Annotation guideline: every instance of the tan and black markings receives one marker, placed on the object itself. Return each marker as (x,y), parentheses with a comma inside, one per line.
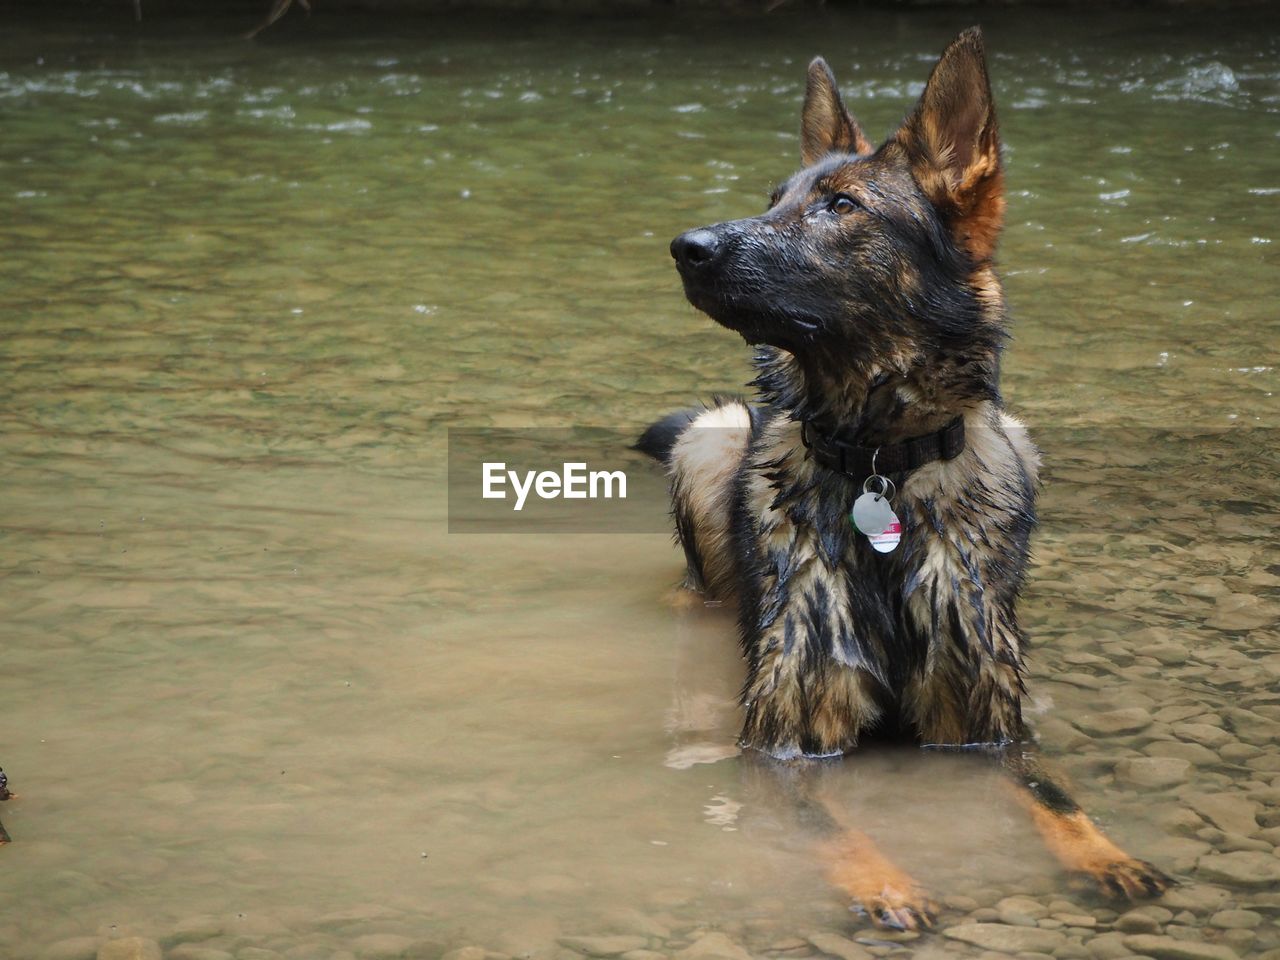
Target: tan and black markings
(4,795)
(868,290)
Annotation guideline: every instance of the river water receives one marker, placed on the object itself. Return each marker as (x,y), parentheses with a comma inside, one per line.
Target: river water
(259,702)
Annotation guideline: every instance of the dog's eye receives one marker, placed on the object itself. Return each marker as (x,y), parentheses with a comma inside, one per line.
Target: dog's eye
(843,203)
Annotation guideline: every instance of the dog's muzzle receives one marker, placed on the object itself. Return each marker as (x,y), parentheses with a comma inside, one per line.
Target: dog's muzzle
(696,249)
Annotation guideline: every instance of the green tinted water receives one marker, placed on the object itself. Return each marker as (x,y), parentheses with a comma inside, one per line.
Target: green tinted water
(253,690)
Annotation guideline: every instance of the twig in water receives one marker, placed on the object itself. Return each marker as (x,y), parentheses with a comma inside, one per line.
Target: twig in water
(278,10)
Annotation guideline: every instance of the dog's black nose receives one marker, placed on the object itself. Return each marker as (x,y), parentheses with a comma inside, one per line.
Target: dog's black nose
(695,247)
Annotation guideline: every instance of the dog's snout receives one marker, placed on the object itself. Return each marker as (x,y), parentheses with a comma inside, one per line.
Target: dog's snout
(695,248)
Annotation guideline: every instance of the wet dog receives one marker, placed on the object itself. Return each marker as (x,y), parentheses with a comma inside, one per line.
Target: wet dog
(868,289)
(4,795)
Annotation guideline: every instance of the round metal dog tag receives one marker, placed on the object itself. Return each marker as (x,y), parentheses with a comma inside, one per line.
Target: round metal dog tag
(889,538)
(872,514)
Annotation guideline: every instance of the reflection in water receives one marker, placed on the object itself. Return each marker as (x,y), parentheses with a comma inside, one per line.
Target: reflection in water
(257,697)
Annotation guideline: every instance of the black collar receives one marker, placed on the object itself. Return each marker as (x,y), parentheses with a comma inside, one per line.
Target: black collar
(899,458)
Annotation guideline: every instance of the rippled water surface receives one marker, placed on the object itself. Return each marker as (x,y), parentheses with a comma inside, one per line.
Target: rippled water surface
(258,699)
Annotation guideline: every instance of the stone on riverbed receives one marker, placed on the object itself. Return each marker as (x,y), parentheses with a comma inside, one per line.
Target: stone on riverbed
(631,920)
(1246,868)
(1115,722)
(76,948)
(1236,919)
(606,946)
(363,914)
(130,948)
(1086,921)
(838,946)
(1006,939)
(1168,653)
(1205,734)
(1167,948)
(194,951)
(381,946)
(1108,946)
(1153,771)
(195,929)
(1021,911)
(714,945)
(1239,752)
(1195,753)
(1196,897)
(1141,921)
(1229,811)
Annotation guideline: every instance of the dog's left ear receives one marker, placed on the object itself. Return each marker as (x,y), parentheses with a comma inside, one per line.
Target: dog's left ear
(825,125)
(953,145)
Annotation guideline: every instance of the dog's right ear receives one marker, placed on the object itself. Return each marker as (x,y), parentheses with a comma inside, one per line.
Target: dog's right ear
(952,142)
(825,125)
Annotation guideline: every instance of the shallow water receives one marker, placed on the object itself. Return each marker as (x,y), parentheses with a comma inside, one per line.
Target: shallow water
(258,697)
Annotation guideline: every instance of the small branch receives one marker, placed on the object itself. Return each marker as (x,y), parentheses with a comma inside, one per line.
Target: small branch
(278,9)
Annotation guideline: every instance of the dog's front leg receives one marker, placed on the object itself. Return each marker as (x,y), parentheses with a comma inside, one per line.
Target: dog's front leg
(810,693)
(854,864)
(851,860)
(1082,848)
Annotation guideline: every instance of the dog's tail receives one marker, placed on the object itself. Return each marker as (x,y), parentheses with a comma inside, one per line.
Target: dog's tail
(660,438)
(702,451)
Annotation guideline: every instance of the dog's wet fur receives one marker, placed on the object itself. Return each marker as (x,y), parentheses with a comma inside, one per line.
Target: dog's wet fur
(868,290)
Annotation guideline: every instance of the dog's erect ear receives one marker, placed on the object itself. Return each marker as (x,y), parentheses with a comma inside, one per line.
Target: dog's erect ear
(953,144)
(825,125)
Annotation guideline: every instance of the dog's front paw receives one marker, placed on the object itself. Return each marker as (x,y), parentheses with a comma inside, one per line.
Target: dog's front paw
(892,909)
(1126,879)
(888,895)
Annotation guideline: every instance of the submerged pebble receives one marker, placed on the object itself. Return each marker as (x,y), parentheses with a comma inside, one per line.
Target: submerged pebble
(1026,908)
(1236,919)
(1169,948)
(195,929)
(1196,897)
(714,945)
(130,948)
(1153,771)
(1203,733)
(1193,753)
(1108,946)
(1008,939)
(381,946)
(1246,868)
(1142,921)
(838,946)
(192,951)
(73,948)
(605,946)
(1231,812)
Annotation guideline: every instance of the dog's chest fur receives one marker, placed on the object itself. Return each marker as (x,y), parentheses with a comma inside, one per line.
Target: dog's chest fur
(842,641)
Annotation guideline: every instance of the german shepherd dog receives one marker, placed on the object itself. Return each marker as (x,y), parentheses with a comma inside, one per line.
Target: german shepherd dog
(868,289)
(4,795)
